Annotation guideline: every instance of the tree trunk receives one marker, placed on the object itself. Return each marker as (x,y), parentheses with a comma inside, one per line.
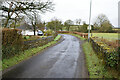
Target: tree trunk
(78,28)
(34,30)
(6,22)
(61,29)
(68,28)
(15,24)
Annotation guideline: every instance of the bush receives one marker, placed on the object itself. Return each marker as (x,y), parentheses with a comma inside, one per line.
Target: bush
(48,33)
(26,37)
(83,28)
(112,59)
(11,42)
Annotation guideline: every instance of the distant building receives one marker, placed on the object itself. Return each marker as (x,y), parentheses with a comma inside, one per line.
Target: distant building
(25,26)
(27,29)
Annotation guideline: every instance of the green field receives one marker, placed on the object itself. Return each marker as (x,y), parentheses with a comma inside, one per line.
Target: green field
(109,36)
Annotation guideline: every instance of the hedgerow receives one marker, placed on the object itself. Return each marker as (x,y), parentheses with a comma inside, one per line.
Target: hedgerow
(11,42)
(109,54)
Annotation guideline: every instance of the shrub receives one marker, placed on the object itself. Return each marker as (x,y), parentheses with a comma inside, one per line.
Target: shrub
(112,59)
(48,33)
(26,37)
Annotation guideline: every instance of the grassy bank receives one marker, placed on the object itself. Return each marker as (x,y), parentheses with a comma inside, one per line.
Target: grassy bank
(6,63)
(95,65)
(57,38)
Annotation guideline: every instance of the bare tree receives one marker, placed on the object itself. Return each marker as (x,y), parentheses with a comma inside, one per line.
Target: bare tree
(33,20)
(78,22)
(103,23)
(12,9)
(100,20)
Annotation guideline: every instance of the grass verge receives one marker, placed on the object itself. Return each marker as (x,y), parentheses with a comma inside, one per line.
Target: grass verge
(57,38)
(6,63)
(95,65)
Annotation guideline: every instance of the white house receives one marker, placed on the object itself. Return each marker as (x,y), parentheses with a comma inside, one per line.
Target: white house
(27,29)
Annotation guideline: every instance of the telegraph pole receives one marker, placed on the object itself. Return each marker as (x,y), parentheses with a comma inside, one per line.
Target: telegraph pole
(89,21)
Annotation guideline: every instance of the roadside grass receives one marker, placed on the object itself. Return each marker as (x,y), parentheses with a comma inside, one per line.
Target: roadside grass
(6,63)
(95,65)
(57,38)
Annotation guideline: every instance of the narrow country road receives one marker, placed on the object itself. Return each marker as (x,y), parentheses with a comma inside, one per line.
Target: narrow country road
(64,60)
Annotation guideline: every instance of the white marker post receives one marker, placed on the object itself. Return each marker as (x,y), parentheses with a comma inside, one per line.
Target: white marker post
(89,27)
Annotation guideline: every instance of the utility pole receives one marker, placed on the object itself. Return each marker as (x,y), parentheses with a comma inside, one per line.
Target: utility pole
(89,21)
(55,26)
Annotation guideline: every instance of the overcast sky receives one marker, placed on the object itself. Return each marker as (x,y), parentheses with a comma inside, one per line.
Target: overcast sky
(75,9)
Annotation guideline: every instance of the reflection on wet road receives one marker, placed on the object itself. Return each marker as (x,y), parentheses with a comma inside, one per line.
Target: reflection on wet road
(59,61)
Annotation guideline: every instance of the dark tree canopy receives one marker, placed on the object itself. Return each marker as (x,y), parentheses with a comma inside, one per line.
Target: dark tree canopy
(68,23)
(55,24)
(83,28)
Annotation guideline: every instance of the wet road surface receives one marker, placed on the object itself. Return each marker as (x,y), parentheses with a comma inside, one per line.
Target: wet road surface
(59,61)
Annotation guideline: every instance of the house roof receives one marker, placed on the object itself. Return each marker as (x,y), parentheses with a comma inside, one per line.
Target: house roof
(25,27)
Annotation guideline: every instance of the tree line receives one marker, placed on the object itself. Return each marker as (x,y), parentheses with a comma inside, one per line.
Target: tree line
(15,12)
(101,24)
